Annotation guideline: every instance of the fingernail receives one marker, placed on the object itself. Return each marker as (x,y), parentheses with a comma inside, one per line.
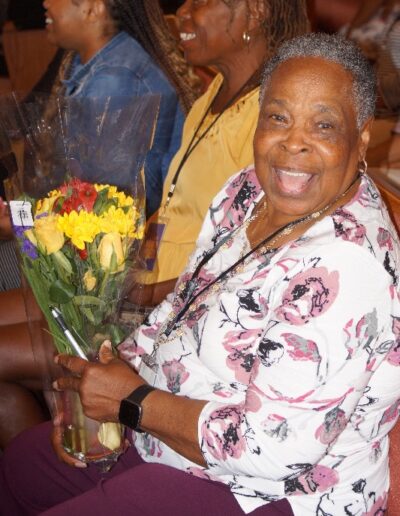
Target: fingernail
(55,385)
(56,359)
(80,465)
(57,420)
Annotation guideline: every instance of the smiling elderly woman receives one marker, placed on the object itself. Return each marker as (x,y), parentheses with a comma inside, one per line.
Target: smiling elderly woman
(276,376)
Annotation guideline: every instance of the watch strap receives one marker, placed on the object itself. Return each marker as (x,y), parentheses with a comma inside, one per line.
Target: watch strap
(136,397)
(139,394)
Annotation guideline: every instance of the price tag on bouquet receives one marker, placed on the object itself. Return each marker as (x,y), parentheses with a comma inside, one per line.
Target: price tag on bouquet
(21,213)
(154,235)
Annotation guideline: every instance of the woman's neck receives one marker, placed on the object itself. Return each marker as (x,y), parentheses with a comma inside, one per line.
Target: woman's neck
(231,89)
(94,45)
(240,75)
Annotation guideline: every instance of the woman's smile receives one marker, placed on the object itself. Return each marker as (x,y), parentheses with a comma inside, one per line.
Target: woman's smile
(292,181)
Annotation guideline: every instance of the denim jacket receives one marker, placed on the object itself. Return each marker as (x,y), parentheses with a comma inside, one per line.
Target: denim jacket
(123,68)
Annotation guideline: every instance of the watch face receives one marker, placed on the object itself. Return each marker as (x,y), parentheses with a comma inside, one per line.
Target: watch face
(129,414)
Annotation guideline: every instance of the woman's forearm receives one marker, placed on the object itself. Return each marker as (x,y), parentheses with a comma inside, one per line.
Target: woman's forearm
(174,420)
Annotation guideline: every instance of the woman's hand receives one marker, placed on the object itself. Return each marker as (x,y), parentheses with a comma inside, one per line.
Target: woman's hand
(56,441)
(5,222)
(101,385)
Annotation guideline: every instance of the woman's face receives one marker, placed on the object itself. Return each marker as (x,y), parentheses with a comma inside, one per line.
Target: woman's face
(65,22)
(211,31)
(307,145)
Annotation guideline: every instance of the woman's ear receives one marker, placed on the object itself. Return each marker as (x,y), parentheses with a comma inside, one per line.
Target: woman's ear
(98,9)
(365,135)
(257,13)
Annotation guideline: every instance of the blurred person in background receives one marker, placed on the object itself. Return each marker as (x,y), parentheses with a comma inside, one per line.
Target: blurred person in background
(376,29)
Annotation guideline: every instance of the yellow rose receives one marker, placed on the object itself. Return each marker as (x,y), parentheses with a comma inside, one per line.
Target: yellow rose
(109,435)
(111,244)
(89,280)
(48,235)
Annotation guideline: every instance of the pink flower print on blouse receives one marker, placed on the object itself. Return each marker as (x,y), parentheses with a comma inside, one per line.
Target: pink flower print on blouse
(269,352)
(276,426)
(248,301)
(394,354)
(176,374)
(376,452)
(391,414)
(240,193)
(317,479)
(240,360)
(194,316)
(361,335)
(334,423)
(302,349)
(384,239)
(129,350)
(347,227)
(222,434)
(309,294)
(151,446)
(239,345)
(220,390)
(379,507)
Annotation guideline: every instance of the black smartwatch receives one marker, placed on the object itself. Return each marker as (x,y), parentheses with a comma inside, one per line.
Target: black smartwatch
(130,410)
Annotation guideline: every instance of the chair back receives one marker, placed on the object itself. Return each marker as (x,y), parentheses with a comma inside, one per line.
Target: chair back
(391,195)
(27,54)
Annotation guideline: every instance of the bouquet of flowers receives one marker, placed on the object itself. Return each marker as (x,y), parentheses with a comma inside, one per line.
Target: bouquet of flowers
(77,245)
(79,220)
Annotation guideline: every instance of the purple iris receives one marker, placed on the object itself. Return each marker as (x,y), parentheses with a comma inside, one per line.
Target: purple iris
(26,245)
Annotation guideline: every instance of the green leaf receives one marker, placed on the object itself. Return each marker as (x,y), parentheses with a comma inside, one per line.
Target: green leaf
(117,334)
(89,300)
(61,260)
(61,292)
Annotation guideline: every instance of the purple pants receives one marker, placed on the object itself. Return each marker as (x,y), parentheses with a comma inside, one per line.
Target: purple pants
(33,481)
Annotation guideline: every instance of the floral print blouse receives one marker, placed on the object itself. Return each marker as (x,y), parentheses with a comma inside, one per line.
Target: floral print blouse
(297,352)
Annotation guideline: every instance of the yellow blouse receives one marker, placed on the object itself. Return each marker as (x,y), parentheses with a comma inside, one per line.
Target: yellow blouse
(226,148)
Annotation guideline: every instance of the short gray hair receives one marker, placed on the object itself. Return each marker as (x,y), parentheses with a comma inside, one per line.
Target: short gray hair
(338,50)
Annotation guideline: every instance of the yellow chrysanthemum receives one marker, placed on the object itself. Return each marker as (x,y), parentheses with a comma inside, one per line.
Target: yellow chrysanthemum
(115,219)
(123,200)
(80,227)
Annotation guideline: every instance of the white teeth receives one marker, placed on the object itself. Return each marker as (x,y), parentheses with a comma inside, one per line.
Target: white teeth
(294,174)
(49,21)
(187,36)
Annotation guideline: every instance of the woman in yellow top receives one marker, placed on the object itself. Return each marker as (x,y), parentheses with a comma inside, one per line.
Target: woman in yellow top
(235,38)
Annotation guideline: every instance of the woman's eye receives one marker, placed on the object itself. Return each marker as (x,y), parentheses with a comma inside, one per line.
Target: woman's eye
(277,118)
(325,125)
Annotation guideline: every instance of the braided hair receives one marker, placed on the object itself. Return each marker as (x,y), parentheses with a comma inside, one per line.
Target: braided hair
(144,21)
(285,20)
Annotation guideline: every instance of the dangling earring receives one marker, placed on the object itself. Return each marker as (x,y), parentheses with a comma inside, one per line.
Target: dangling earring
(363,167)
(246,38)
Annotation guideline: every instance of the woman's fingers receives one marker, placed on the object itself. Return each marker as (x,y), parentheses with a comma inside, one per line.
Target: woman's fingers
(70,383)
(56,441)
(105,353)
(74,364)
